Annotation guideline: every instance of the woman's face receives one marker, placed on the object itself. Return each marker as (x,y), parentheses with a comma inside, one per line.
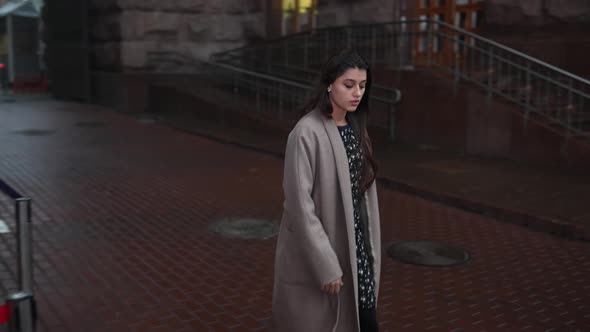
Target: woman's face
(347,90)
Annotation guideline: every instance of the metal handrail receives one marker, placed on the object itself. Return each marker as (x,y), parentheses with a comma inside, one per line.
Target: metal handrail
(280,98)
(529,81)
(296,84)
(257,74)
(510,50)
(529,58)
(409,22)
(9,191)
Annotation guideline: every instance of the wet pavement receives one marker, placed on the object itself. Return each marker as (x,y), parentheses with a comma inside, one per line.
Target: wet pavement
(122,211)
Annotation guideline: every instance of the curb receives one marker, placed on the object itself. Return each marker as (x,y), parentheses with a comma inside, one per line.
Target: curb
(552,226)
(548,225)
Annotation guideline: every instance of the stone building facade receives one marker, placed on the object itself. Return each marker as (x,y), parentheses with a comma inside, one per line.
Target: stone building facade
(174,35)
(171,35)
(554,31)
(536,13)
(343,12)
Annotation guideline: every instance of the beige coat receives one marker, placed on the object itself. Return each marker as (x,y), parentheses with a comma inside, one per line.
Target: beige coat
(316,241)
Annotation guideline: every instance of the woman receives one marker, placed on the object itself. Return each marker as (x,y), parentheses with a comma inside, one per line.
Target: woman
(328,251)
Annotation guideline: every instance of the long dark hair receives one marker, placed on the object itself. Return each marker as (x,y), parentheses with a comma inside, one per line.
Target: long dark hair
(334,68)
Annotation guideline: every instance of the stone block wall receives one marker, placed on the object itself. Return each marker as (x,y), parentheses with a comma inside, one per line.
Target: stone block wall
(171,35)
(536,13)
(554,31)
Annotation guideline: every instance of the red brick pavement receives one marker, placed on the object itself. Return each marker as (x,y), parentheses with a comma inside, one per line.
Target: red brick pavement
(121,213)
(543,197)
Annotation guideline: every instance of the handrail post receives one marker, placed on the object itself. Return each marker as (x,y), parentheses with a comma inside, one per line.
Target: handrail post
(457,62)
(568,132)
(373,45)
(285,52)
(327,43)
(570,109)
(400,45)
(391,121)
(305,51)
(268,59)
(406,58)
(348,37)
(280,101)
(528,94)
(429,43)
(25,261)
(581,108)
(491,72)
(570,101)
(257,96)
(235,83)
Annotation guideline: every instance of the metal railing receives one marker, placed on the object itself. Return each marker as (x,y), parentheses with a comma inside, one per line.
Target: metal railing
(280,98)
(553,95)
(21,302)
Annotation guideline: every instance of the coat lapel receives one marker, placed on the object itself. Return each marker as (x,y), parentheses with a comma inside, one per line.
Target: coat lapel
(341,161)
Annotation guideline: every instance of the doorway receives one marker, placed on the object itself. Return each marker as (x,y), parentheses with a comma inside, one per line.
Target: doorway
(298,16)
(462,14)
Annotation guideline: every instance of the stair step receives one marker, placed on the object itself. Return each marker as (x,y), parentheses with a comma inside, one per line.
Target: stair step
(550,99)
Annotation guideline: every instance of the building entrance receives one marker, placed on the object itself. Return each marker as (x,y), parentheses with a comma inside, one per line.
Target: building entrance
(463,14)
(298,15)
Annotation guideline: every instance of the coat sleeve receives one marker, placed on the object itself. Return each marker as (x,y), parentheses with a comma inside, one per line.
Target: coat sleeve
(298,183)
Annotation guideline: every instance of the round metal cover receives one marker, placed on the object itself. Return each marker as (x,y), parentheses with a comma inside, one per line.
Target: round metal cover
(429,253)
(36,132)
(245,228)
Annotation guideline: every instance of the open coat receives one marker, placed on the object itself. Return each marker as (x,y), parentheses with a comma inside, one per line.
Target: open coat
(316,242)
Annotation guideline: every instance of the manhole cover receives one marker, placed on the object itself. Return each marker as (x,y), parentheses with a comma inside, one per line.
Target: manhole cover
(90,124)
(36,132)
(245,228)
(429,253)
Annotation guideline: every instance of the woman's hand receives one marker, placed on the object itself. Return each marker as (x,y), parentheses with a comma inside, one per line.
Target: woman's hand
(333,287)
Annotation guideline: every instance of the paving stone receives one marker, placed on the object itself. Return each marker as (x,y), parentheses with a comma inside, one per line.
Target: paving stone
(121,217)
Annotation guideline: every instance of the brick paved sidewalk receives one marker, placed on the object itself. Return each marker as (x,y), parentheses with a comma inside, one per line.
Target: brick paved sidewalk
(122,209)
(545,199)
